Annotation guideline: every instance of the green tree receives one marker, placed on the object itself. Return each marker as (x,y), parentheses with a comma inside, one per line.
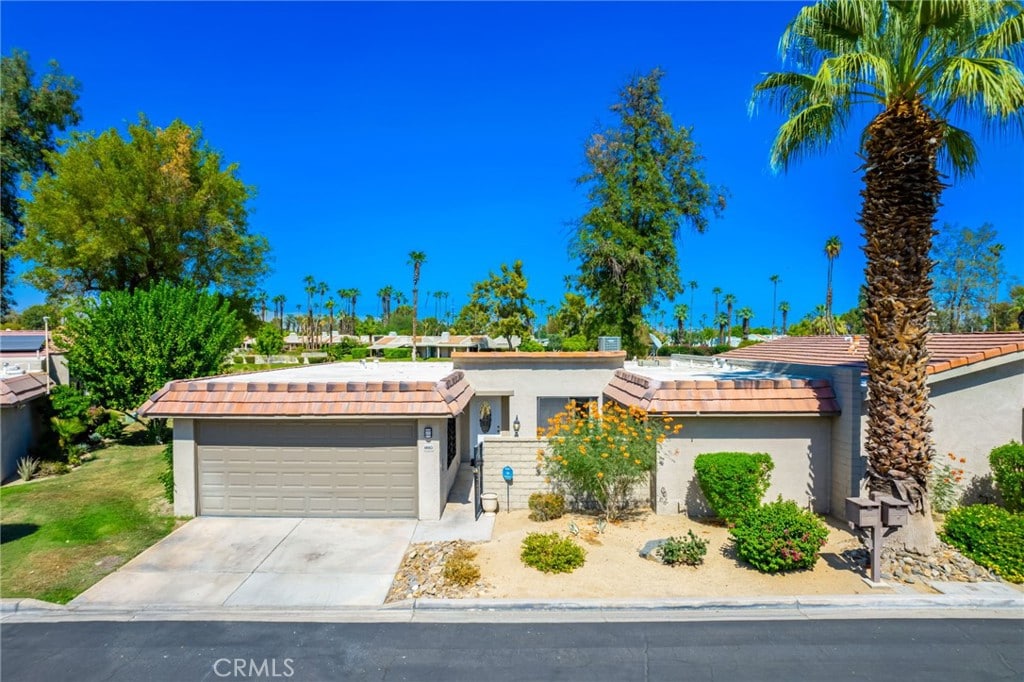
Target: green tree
(32,316)
(681,313)
(784,309)
(279,302)
(31,112)
(269,341)
(474,318)
(722,322)
(503,296)
(575,317)
(922,66)
(119,213)
(968,267)
(833,245)
(416,260)
(126,345)
(745,314)
(729,300)
(644,179)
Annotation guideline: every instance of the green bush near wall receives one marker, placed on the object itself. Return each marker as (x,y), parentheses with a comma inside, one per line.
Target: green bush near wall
(1007,462)
(397,353)
(733,483)
(991,536)
(360,353)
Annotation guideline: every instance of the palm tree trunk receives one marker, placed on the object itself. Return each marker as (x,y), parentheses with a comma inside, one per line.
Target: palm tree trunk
(901,196)
(828,300)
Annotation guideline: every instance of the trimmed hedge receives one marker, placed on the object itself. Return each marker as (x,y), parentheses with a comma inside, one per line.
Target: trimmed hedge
(991,536)
(397,353)
(667,350)
(779,536)
(733,483)
(1007,462)
(360,353)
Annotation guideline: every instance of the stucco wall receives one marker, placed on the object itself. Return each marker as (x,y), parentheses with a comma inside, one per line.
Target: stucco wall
(17,436)
(184,467)
(521,455)
(524,380)
(800,447)
(977,411)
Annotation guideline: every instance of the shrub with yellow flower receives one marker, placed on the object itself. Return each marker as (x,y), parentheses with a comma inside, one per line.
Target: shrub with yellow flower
(594,474)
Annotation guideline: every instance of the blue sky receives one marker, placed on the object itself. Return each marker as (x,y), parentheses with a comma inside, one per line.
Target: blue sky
(457,129)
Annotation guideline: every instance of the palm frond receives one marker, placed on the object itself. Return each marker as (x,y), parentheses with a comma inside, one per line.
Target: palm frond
(958,152)
(1005,39)
(786,91)
(838,76)
(967,84)
(808,131)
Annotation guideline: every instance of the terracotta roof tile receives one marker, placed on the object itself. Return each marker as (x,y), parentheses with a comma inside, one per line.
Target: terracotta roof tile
(726,396)
(447,397)
(21,389)
(947,351)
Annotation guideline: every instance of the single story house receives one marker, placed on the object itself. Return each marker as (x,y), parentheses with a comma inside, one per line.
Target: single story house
(386,439)
(21,418)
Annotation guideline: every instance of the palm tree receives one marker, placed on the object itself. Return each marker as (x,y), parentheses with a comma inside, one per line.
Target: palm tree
(922,65)
(693,288)
(774,279)
(416,260)
(310,289)
(384,294)
(832,248)
(717,291)
(745,314)
(682,312)
(729,300)
(330,311)
(262,298)
(722,322)
(279,302)
(784,309)
(353,298)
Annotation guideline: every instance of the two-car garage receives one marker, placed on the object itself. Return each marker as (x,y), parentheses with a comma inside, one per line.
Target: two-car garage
(306,468)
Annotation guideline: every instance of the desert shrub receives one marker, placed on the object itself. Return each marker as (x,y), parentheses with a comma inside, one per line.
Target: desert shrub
(460,569)
(551,553)
(689,551)
(733,482)
(1007,462)
(360,353)
(27,468)
(397,353)
(602,456)
(546,506)
(167,475)
(991,536)
(779,536)
(54,468)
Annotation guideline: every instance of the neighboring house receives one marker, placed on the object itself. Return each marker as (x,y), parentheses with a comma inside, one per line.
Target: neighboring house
(385,439)
(21,419)
(25,352)
(439,346)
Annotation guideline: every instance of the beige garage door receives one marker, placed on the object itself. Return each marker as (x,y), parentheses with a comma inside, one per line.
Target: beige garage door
(307,468)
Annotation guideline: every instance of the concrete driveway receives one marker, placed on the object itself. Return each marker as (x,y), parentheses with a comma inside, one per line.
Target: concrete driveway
(261,562)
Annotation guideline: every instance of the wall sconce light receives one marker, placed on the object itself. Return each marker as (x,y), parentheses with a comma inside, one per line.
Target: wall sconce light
(428,432)
(516,426)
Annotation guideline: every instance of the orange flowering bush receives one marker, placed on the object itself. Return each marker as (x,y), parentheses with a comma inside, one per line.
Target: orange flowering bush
(944,482)
(602,454)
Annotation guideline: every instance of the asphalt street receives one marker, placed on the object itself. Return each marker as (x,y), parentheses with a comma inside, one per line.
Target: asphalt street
(900,650)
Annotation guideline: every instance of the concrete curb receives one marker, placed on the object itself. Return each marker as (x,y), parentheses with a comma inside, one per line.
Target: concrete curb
(521,610)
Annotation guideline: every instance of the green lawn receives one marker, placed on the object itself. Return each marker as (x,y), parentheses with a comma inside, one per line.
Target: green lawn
(60,536)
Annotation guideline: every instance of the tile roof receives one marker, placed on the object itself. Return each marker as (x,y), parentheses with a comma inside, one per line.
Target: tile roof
(204,398)
(21,389)
(947,351)
(723,396)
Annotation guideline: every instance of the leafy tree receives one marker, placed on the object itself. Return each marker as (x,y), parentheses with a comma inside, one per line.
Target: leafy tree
(503,296)
(126,345)
(833,245)
(922,66)
(968,267)
(269,341)
(644,179)
(1010,314)
(32,316)
(473,318)
(119,213)
(416,260)
(31,112)
(575,317)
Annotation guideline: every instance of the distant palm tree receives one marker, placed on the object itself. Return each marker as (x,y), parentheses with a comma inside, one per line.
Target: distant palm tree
(729,300)
(717,291)
(745,314)
(384,294)
(784,309)
(775,290)
(693,288)
(682,312)
(416,260)
(832,248)
(279,302)
(262,298)
(322,290)
(330,311)
(310,290)
(353,298)
(722,321)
